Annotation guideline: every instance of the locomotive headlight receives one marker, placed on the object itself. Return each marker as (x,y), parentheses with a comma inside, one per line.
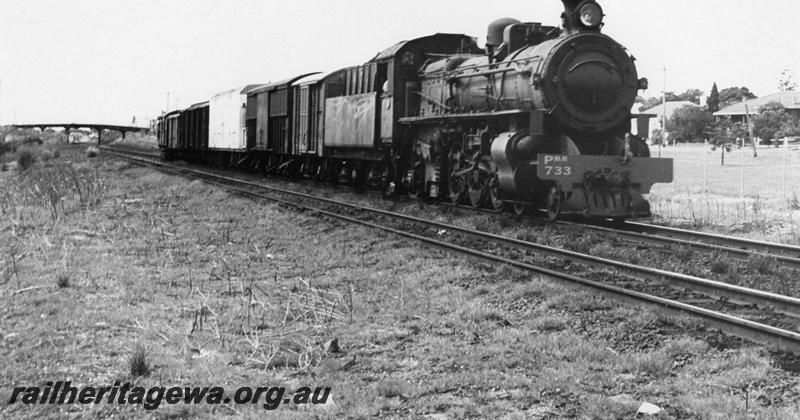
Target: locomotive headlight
(591,14)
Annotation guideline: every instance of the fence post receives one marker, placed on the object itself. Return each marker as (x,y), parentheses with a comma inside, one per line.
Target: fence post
(742,171)
(705,166)
(674,159)
(783,172)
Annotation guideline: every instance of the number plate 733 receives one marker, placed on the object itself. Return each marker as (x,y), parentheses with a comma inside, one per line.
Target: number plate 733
(557,170)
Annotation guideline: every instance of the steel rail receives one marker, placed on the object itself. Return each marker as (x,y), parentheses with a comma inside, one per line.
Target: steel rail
(779,338)
(741,242)
(739,252)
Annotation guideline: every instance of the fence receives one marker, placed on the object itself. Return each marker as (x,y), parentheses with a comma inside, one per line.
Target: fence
(745,189)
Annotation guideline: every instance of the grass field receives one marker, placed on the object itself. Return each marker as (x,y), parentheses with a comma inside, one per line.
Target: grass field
(705,193)
(217,290)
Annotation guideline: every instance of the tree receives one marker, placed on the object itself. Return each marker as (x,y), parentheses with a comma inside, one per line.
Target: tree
(650,103)
(727,131)
(691,95)
(712,102)
(691,123)
(772,122)
(731,95)
(786,81)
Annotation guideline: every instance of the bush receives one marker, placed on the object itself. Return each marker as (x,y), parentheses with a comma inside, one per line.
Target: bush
(7,147)
(25,159)
(92,151)
(33,140)
(46,156)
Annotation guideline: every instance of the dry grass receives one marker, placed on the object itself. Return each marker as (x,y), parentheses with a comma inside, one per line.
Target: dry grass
(768,210)
(224,291)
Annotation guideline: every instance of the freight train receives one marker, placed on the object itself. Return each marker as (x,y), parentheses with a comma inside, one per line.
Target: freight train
(538,119)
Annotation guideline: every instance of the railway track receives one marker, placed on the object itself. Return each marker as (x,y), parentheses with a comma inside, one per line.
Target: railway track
(739,248)
(761,316)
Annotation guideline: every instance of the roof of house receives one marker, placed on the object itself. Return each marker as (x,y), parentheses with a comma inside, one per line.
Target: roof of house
(671,106)
(789,100)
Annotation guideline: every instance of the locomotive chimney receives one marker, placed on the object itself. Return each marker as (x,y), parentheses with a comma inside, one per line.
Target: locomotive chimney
(568,16)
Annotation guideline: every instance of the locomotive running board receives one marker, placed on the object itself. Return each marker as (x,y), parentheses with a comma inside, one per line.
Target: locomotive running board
(445,118)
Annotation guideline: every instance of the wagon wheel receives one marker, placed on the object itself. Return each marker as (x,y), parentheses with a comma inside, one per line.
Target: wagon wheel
(318,171)
(416,177)
(378,176)
(554,199)
(495,198)
(476,186)
(345,176)
(333,169)
(456,182)
(358,177)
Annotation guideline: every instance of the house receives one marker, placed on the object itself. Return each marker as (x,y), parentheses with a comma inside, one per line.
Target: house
(738,111)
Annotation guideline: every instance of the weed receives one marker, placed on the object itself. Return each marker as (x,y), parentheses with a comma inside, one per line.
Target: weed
(391,387)
(682,253)
(719,265)
(486,224)
(62,281)
(655,363)
(92,151)
(475,312)
(794,202)
(139,362)
(786,282)
(761,264)
(3,167)
(528,236)
(56,154)
(550,323)
(684,346)
(581,244)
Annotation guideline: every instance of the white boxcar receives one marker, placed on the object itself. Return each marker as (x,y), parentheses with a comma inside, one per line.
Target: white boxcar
(226,125)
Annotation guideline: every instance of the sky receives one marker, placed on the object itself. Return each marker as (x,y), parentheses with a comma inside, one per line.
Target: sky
(105,61)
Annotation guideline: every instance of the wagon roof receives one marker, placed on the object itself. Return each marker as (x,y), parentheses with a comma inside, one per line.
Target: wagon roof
(276,85)
(316,77)
(198,105)
(394,49)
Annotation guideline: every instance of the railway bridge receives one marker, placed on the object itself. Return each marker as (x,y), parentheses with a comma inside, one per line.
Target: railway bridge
(124,129)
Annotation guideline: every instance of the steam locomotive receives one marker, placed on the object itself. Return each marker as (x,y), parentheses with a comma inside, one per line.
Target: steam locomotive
(539,119)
